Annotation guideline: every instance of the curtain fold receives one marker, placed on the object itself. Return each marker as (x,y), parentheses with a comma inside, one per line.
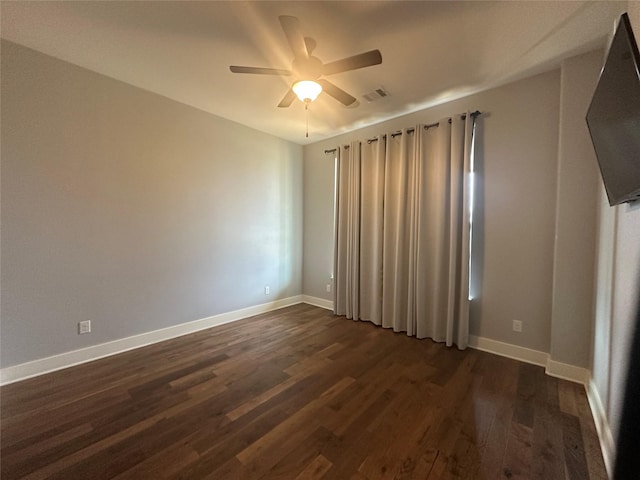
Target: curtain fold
(398,229)
(347,248)
(402,231)
(371,229)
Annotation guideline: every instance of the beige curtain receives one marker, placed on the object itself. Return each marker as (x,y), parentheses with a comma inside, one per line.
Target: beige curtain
(347,245)
(402,231)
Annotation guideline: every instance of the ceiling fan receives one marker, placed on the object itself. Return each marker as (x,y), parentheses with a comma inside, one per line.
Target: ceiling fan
(307,69)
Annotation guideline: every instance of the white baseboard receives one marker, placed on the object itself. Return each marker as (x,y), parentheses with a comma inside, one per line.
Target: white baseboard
(535,357)
(64,360)
(41,366)
(508,350)
(318,302)
(567,372)
(607,444)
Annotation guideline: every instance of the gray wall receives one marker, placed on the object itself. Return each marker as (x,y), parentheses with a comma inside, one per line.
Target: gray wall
(576,215)
(517,154)
(132,210)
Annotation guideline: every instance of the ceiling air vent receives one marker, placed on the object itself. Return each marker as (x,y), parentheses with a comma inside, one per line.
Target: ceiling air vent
(376,95)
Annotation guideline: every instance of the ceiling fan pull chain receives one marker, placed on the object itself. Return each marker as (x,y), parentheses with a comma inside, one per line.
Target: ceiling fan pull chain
(306,108)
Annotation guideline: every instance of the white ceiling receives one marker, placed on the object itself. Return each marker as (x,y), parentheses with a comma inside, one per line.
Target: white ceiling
(432,51)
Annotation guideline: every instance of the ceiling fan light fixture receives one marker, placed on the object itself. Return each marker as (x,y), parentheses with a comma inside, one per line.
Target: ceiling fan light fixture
(307,90)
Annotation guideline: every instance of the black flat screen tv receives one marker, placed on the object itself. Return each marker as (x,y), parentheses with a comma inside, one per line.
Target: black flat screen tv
(613,117)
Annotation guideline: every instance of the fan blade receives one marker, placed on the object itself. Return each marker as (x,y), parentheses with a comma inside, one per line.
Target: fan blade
(336,92)
(291,27)
(310,43)
(259,70)
(288,99)
(367,59)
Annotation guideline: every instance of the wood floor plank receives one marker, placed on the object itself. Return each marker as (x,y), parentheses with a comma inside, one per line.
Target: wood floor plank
(399,458)
(161,465)
(304,459)
(347,451)
(575,461)
(292,428)
(548,449)
(316,469)
(217,446)
(518,456)
(298,393)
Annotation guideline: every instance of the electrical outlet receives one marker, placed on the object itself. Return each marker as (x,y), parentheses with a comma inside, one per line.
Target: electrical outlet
(267,290)
(517,326)
(84,327)
(328,287)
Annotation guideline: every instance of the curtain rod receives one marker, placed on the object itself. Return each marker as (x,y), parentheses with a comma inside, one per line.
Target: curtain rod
(409,130)
(334,150)
(431,125)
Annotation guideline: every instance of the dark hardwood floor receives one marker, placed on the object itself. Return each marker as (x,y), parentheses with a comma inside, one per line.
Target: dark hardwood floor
(298,394)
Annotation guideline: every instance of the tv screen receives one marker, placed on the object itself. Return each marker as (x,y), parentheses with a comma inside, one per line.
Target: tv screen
(613,117)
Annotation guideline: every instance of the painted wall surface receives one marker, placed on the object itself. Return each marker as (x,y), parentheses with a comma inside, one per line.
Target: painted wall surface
(516,157)
(576,215)
(618,291)
(625,302)
(133,211)
(601,332)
